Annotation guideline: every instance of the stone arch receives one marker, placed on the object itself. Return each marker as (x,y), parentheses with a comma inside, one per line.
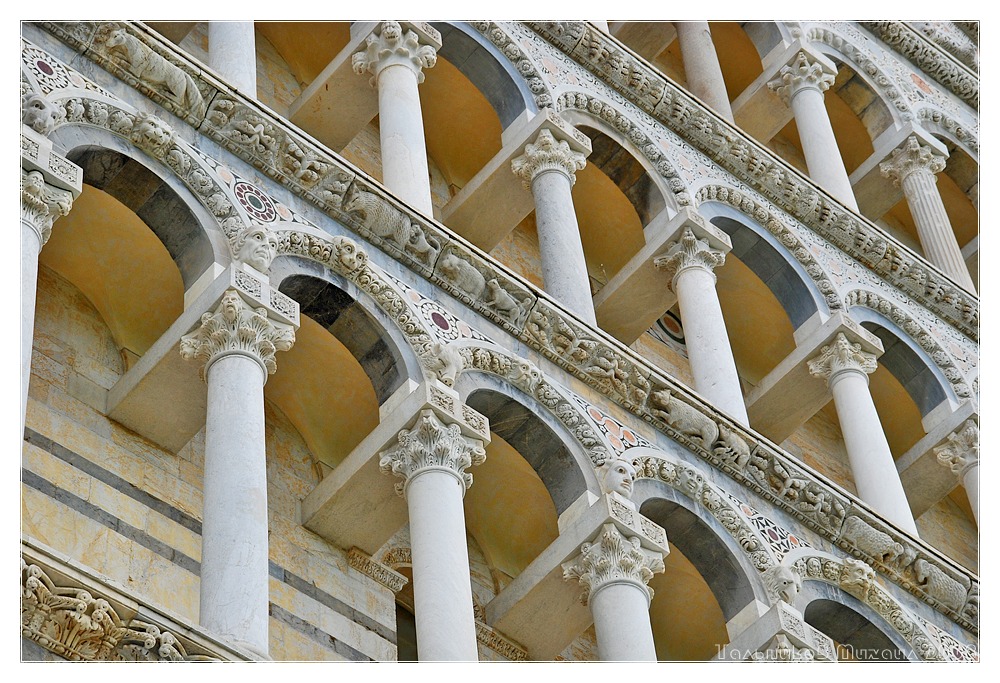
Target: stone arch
(944,126)
(924,368)
(550,431)
(153,192)
(853,626)
(499,70)
(854,584)
(772,251)
(714,534)
(510,48)
(338,305)
(767,36)
(586,109)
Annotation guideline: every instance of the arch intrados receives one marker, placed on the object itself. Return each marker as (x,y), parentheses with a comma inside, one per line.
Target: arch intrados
(487,68)
(545,444)
(918,374)
(154,193)
(366,331)
(714,553)
(848,621)
(770,261)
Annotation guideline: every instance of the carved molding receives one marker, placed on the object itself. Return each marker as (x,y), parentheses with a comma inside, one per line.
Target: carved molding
(929,58)
(613,558)
(375,570)
(237,327)
(512,51)
(499,643)
(432,444)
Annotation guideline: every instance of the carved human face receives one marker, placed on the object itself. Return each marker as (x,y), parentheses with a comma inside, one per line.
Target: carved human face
(619,478)
(258,249)
(39,114)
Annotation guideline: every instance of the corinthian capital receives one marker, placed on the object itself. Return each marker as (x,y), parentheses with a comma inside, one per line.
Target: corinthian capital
(390,44)
(237,328)
(961,453)
(841,356)
(547,154)
(804,72)
(909,157)
(42,204)
(689,252)
(432,444)
(613,558)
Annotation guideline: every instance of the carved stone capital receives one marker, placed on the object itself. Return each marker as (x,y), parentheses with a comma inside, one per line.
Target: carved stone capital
(804,72)
(841,356)
(613,558)
(390,44)
(42,204)
(909,157)
(432,444)
(236,327)
(689,252)
(547,154)
(961,453)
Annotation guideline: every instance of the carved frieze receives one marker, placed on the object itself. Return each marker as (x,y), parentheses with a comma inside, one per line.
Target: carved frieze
(373,569)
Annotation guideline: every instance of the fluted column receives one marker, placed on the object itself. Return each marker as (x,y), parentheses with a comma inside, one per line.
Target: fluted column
(41,205)
(961,454)
(396,59)
(237,343)
(802,84)
(232,52)
(431,458)
(614,570)
(915,166)
(845,367)
(690,263)
(701,66)
(548,168)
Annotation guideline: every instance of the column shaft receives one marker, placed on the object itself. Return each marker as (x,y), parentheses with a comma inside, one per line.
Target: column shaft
(823,158)
(30,248)
(564,268)
(872,464)
(621,623)
(701,66)
(232,52)
(442,592)
(401,132)
(234,571)
(934,227)
(707,342)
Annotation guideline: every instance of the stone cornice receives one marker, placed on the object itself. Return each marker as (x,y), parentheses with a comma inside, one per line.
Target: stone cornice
(929,58)
(748,160)
(82,617)
(584,352)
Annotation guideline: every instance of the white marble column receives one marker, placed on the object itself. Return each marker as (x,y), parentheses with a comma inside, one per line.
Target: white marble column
(548,168)
(396,59)
(845,367)
(237,342)
(232,52)
(915,166)
(41,204)
(614,570)
(690,263)
(431,458)
(701,66)
(802,84)
(961,454)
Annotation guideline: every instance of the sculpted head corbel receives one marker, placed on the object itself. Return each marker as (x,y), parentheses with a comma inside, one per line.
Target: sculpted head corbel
(618,476)
(39,114)
(256,246)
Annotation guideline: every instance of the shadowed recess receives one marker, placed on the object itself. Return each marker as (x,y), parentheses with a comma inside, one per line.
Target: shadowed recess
(847,627)
(626,172)
(917,378)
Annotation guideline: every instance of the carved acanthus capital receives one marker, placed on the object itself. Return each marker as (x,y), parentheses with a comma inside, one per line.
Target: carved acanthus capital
(841,356)
(804,72)
(912,156)
(389,45)
(613,558)
(689,252)
(432,444)
(42,204)
(236,327)
(961,453)
(547,154)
